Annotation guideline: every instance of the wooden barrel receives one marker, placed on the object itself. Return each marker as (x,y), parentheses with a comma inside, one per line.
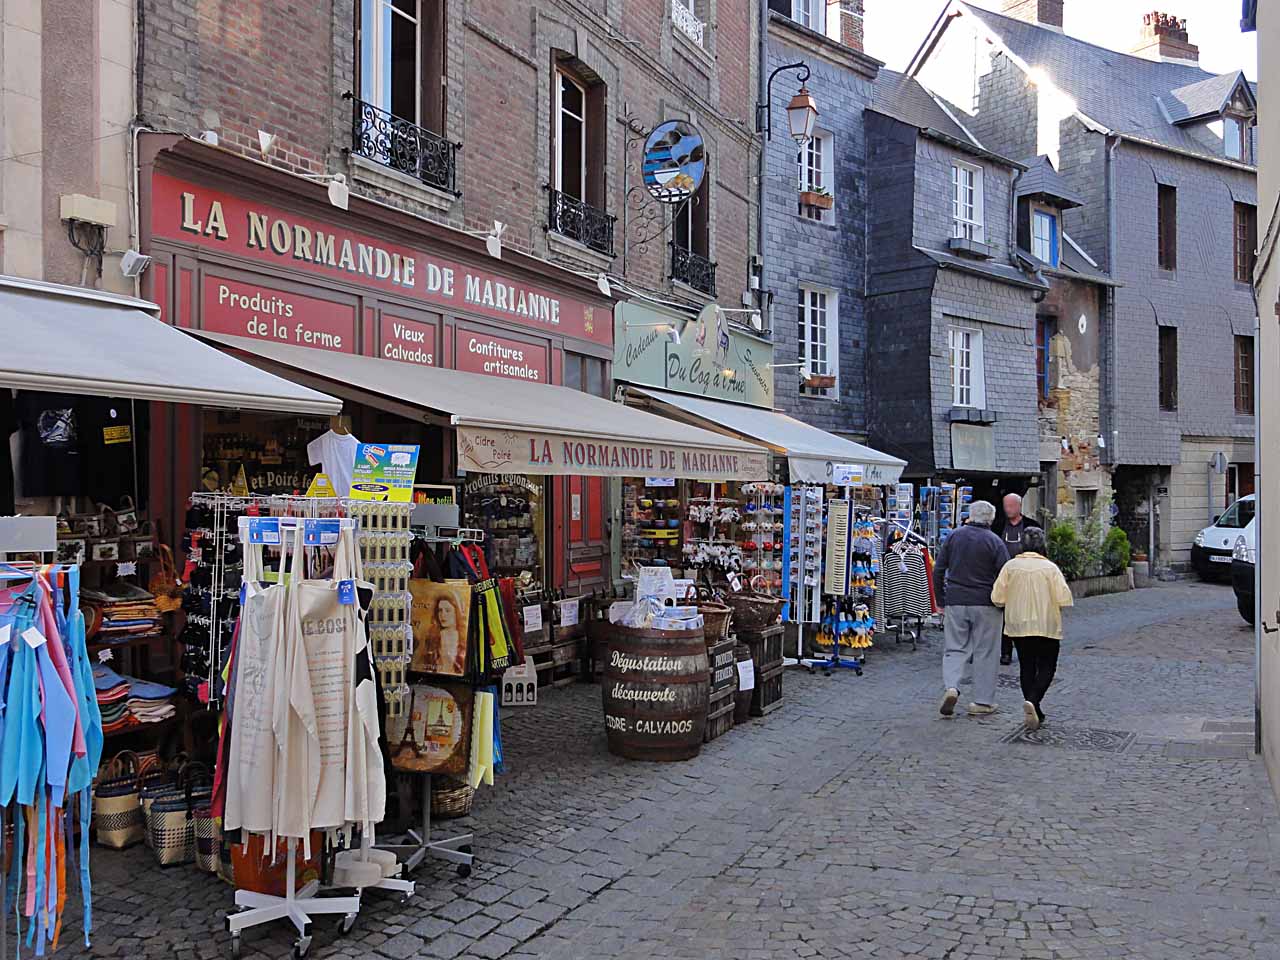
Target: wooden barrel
(655,689)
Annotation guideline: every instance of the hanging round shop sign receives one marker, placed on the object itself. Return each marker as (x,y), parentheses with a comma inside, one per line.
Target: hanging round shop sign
(675,161)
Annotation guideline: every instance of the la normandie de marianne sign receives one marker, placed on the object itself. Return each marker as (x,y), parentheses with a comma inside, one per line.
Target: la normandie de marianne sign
(211,219)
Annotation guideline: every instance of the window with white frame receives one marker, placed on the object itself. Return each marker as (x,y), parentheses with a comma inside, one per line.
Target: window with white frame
(401,59)
(968,381)
(819,340)
(810,13)
(817,173)
(966,201)
(570,158)
(1044,237)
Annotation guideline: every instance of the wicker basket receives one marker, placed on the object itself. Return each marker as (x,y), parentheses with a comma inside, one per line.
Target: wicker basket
(450,797)
(716,618)
(753,611)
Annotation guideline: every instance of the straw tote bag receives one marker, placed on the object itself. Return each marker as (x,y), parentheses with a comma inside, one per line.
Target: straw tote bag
(117,803)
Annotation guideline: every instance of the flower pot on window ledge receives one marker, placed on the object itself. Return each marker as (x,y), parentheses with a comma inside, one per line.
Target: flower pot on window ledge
(820,381)
(823,201)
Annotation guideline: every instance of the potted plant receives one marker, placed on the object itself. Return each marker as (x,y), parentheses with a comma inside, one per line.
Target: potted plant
(820,198)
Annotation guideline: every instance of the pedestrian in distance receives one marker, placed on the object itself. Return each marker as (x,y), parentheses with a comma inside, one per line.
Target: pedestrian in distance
(1010,529)
(966,570)
(1033,591)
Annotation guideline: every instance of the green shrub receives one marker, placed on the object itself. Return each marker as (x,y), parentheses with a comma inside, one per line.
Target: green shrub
(1115,552)
(1065,549)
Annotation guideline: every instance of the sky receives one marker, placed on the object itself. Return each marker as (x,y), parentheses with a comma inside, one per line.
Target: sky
(895,28)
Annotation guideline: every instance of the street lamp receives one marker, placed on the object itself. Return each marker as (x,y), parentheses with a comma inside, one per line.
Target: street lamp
(802,114)
(802,111)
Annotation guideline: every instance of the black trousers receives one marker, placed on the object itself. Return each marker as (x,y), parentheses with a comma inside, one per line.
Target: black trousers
(1006,647)
(1037,663)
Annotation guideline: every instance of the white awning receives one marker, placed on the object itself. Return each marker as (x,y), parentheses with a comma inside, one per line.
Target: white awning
(72,340)
(515,426)
(812,454)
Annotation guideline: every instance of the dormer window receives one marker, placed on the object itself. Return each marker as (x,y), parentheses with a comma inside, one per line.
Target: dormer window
(1044,237)
(1236,138)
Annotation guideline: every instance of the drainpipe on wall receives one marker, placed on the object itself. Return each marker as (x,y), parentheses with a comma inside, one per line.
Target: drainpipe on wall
(761,95)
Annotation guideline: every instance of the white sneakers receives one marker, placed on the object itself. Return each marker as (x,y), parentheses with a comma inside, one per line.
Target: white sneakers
(981,709)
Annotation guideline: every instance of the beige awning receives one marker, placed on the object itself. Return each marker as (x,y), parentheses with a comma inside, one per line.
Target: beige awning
(813,455)
(514,426)
(72,340)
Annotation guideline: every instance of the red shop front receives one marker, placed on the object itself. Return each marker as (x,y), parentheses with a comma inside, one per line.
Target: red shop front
(244,250)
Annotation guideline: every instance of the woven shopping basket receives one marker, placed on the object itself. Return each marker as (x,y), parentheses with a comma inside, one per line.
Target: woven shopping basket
(117,803)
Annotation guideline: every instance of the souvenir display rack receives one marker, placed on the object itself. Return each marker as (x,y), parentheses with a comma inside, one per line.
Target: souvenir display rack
(764,529)
(718,551)
(298,906)
(652,521)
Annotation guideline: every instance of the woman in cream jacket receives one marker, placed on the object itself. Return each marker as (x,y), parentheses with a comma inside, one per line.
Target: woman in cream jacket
(1033,592)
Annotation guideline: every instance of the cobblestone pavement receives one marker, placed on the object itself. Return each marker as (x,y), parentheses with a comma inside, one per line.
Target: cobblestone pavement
(853,822)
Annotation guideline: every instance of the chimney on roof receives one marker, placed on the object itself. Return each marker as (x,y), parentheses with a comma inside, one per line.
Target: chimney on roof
(844,22)
(1164,38)
(1044,13)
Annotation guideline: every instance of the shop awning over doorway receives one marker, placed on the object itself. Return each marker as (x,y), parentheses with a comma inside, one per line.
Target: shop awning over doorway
(812,454)
(516,426)
(71,340)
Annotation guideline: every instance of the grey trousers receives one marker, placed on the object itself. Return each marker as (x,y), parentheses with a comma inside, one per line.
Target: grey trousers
(973,635)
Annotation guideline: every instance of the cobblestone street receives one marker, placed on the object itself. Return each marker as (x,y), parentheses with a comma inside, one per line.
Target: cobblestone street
(853,822)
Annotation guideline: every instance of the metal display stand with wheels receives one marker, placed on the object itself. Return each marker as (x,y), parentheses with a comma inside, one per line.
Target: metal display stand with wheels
(297,907)
(456,850)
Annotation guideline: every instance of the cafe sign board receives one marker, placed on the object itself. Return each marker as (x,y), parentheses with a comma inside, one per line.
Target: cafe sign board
(483,449)
(645,354)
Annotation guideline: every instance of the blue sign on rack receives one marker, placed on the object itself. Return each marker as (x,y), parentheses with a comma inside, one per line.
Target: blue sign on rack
(264,530)
(321,533)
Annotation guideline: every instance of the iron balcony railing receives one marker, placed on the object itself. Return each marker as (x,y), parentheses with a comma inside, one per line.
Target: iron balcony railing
(693,269)
(404,146)
(578,220)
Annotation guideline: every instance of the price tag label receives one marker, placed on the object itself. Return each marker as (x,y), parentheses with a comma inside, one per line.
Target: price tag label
(568,613)
(5,633)
(533,618)
(321,533)
(347,592)
(735,582)
(264,530)
(126,569)
(105,656)
(34,637)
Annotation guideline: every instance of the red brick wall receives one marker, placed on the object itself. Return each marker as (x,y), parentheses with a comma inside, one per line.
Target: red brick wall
(237,66)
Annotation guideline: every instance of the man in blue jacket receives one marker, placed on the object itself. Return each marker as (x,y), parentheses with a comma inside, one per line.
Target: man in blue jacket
(966,570)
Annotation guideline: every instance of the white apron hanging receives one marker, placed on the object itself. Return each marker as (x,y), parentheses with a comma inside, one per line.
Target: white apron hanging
(252,751)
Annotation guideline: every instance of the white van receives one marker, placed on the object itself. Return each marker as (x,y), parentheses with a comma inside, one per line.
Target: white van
(1211,551)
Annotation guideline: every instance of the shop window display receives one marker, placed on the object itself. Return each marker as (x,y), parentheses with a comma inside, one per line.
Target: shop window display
(510,509)
(254,453)
(653,523)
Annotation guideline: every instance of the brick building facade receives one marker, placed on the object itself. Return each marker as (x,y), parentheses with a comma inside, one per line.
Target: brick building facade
(489,83)
(1162,155)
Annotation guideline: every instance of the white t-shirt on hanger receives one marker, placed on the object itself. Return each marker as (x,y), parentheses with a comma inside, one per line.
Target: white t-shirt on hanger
(335,454)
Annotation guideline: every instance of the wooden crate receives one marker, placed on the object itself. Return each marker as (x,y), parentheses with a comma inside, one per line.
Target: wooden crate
(720,715)
(766,647)
(767,696)
(557,664)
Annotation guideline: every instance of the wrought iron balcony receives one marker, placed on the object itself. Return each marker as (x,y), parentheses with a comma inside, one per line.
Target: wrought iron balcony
(580,221)
(693,269)
(403,146)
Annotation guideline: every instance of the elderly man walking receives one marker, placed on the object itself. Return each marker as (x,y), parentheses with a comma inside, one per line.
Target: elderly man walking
(967,567)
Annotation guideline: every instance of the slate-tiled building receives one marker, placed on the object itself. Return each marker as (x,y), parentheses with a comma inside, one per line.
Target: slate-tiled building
(815,256)
(951,360)
(1162,153)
